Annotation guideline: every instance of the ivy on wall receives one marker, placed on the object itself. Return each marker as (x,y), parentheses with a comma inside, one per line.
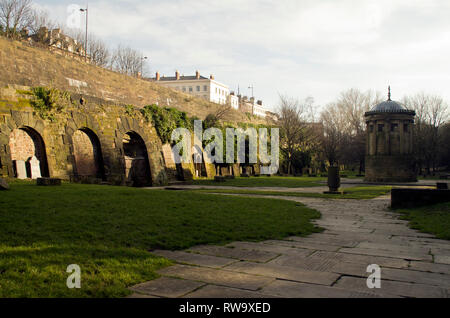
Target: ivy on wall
(166,119)
(47,101)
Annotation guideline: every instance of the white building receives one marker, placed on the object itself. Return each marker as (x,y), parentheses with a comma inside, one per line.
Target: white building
(200,86)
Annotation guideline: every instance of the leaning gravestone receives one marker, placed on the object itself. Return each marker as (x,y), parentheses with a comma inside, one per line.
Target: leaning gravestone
(21,169)
(3,184)
(35,167)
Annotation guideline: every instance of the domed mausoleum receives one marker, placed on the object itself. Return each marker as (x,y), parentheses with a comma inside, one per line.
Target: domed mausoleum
(389,144)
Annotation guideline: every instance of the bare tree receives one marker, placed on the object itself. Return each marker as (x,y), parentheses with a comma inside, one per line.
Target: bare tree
(15,15)
(127,60)
(295,131)
(431,114)
(40,19)
(344,127)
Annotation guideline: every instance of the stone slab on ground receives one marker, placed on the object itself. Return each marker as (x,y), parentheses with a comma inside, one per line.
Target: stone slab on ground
(284,272)
(137,295)
(216,277)
(361,259)
(401,255)
(442,259)
(236,253)
(299,244)
(195,259)
(287,289)
(277,249)
(212,291)
(393,288)
(430,267)
(166,287)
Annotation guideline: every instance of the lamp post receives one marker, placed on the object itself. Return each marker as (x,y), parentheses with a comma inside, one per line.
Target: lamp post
(86,37)
(142,65)
(251,87)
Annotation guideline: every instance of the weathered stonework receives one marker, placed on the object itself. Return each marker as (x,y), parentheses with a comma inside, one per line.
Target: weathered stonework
(389,144)
(84,142)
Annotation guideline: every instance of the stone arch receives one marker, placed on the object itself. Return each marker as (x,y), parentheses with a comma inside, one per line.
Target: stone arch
(137,165)
(25,143)
(88,154)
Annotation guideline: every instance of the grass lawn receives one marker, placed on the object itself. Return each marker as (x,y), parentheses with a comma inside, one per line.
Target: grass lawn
(108,232)
(264,181)
(434,219)
(369,192)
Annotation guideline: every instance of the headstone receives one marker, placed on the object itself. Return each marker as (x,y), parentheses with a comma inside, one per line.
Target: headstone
(21,169)
(3,184)
(35,168)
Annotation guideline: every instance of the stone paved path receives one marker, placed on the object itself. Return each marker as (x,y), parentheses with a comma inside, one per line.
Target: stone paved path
(328,264)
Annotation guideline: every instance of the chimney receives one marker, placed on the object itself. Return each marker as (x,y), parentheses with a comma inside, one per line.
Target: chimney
(177,75)
(252,99)
(158,76)
(197,74)
(259,102)
(211,77)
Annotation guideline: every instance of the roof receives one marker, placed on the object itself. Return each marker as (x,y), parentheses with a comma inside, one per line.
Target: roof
(389,106)
(182,78)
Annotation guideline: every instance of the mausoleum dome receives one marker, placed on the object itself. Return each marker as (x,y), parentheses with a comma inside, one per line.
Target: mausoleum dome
(388,106)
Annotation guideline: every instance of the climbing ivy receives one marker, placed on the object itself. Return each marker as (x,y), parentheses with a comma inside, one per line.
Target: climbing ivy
(166,119)
(47,101)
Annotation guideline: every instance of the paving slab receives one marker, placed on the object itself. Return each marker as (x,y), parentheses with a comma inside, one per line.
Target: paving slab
(166,287)
(430,267)
(299,244)
(195,259)
(287,289)
(442,259)
(213,291)
(401,255)
(393,288)
(284,272)
(216,276)
(395,248)
(365,260)
(277,249)
(325,241)
(252,255)
(136,295)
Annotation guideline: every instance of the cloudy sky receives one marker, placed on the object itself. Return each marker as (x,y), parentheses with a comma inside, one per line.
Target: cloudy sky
(300,48)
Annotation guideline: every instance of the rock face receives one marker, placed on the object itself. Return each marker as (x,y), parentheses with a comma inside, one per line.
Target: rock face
(3,184)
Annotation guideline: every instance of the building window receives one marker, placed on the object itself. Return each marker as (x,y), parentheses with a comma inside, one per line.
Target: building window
(405,128)
(198,88)
(205,88)
(371,128)
(184,89)
(394,127)
(380,127)
(216,90)
(190,88)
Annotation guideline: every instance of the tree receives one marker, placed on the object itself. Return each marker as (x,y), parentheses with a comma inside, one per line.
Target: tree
(295,131)
(431,114)
(127,60)
(15,15)
(40,19)
(345,128)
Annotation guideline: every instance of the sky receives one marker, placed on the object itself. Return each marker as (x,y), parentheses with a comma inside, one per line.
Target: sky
(297,48)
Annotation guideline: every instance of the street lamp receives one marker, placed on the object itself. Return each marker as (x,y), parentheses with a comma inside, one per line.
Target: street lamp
(251,87)
(142,65)
(86,38)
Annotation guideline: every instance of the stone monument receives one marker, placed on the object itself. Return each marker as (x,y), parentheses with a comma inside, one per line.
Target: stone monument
(35,167)
(21,169)
(389,145)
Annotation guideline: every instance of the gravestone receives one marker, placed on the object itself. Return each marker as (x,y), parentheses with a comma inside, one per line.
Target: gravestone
(21,169)
(35,167)
(3,184)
